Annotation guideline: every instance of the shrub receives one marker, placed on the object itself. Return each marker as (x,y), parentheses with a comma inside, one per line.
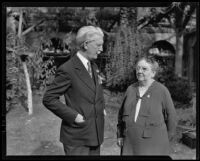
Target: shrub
(122,53)
(15,81)
(180,90)
(178,86)
(186,117)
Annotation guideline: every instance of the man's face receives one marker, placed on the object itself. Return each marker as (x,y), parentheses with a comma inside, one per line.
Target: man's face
(94,47)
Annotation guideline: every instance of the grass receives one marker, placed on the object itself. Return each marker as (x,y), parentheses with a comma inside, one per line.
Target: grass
(39,134)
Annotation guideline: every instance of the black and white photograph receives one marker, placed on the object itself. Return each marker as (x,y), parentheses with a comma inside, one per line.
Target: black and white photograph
(100,80)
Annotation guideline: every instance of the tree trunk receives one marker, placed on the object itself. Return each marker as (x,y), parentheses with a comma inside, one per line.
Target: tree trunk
(179,55)
(194,106)
(29,91)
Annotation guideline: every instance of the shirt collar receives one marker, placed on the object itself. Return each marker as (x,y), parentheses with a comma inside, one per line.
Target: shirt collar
(83,59)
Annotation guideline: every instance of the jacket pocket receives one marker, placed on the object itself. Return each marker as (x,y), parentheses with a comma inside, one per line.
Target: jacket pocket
(80,124)
(147,133)
(125,117)
(154,122)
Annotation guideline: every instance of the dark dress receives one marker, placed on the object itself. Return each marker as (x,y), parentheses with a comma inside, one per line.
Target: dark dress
(156,121)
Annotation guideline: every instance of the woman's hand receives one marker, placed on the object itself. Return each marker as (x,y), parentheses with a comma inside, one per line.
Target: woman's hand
(120,142)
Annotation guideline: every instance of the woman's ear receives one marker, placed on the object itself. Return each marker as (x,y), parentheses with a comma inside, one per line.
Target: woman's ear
(154,74)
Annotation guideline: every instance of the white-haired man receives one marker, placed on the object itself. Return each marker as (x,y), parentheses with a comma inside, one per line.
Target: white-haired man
(82,128)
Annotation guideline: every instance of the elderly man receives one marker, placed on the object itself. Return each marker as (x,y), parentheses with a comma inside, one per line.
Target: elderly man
(83,113)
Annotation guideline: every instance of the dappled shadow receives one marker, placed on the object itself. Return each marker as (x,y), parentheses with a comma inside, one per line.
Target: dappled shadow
(39,134)
(48,148)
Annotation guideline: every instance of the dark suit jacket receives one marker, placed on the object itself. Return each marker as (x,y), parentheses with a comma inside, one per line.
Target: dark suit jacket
(82,95)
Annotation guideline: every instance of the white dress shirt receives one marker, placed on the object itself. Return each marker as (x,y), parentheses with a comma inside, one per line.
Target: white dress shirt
(83,60)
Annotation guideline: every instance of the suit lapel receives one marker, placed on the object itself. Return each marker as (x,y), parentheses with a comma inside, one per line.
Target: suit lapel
(83,73)
(94,74)
(97,86)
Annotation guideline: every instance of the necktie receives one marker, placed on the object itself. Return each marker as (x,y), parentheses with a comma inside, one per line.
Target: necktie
(139,99)
(89,69)
(137,108)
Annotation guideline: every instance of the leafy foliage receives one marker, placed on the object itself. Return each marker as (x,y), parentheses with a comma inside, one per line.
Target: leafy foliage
(122,54)
(15,81)
(41,72)
(20,51)
(47,22)
(178,86)
(123,51)
(185,116)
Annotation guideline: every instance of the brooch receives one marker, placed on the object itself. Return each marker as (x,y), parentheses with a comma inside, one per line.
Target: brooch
(100,77)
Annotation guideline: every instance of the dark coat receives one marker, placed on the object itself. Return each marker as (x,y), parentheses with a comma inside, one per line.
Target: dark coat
(155,124)
(82,95)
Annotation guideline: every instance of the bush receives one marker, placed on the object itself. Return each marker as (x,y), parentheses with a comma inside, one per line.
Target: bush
(179,87)
(122,53)
(186,117)
(180,90)
(119,83)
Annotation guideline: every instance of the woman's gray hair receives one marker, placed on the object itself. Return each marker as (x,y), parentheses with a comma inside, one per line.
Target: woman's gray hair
(86,33)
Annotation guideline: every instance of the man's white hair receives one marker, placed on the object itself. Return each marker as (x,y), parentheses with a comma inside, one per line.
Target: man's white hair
(86,33)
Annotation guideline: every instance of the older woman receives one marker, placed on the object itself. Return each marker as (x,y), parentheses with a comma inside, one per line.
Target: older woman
(147,117)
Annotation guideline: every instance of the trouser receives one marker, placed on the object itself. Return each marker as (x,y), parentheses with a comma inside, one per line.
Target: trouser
(81,150)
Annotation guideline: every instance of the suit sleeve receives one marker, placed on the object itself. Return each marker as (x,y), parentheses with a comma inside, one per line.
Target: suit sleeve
(170,111)
(51,98)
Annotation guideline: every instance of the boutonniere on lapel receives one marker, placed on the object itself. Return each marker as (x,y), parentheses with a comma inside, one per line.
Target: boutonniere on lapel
(148,96)
(100,76)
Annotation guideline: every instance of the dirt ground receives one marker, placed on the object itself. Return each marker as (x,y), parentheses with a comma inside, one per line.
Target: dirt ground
(38,134)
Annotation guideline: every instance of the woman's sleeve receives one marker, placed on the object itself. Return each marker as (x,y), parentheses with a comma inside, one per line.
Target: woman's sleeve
(171,120)
(121,123)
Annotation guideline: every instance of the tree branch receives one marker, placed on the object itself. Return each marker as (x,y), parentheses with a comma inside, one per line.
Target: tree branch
(20,24)
(10,49)
(188,16)
(32,27)
(154,19)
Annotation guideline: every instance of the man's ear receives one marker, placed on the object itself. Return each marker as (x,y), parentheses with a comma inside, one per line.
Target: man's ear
(85,46)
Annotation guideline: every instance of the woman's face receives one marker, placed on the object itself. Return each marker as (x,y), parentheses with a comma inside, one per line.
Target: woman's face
(144,71)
